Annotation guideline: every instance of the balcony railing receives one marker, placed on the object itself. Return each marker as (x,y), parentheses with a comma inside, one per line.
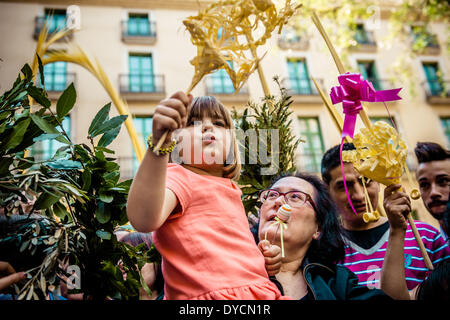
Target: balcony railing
(142,87)
(39,23)
(296,43)
(365,37)
(57,81)
(432,41)
(364,41)
(221,84)
(301,86)
(140,33)
(141,83)
(437,91)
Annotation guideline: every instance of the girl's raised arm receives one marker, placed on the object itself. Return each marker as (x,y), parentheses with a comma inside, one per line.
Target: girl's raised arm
(149,201)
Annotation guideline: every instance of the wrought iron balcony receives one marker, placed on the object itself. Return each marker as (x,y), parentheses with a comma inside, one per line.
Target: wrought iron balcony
(301,86)
(431,45)
(219,84)
(365,37)
(285,41)
(56,83)
(39,23)
(437,91)
(365,41)
(139,34)
(142,87)
(303,89)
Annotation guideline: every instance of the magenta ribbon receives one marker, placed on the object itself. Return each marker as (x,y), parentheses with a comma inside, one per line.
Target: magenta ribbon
(352,90)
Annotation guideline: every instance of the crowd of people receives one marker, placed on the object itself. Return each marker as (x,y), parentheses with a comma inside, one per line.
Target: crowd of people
(192,212)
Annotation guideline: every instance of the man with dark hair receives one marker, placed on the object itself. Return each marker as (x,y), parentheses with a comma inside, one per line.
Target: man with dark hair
(433,175)
(367,243)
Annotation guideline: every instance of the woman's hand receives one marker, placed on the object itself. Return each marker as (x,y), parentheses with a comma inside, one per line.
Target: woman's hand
(272,256)
(170,114)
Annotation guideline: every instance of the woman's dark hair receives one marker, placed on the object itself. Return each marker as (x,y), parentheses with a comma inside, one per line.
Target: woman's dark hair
(136,238)
(329,248)
(436,286)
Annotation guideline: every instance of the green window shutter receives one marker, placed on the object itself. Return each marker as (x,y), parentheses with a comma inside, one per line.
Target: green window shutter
(361,34)
(446,126)
(431,73)
(299,76)
(313,148)
(45,150)
(55,76)
(221,82)
(57,21)
(138,25)
(290,35)
(143,127)
(420,33)
(141,77)
(369,72)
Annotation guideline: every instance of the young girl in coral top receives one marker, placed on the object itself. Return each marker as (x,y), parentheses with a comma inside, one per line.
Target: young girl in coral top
(195,209)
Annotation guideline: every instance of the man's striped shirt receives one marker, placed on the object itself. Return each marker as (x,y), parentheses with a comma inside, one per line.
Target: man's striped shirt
(367,263)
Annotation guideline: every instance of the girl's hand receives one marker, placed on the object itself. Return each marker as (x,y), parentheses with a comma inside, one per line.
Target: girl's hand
(170,114)
(272,256)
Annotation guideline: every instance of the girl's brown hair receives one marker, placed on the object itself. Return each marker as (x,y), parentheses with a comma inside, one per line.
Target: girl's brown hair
(209,106)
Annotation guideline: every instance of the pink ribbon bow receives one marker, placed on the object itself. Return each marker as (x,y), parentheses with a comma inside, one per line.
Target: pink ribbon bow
(352,90)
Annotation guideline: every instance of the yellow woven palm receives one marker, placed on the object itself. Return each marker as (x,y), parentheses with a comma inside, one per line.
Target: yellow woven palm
(380,153)
(230,31)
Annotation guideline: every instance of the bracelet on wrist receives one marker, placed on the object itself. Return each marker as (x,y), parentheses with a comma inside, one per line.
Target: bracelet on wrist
(163,150)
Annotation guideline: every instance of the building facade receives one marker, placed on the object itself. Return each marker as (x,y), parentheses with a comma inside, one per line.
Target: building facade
(145,51)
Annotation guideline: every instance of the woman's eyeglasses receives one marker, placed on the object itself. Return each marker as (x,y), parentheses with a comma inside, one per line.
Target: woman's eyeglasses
(292,198)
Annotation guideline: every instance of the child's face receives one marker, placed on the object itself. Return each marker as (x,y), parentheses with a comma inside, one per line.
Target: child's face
(204,143)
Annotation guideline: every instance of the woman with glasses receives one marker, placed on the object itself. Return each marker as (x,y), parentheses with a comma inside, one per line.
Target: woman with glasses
(312,242)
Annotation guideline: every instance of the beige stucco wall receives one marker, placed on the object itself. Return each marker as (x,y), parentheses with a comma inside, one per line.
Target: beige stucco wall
(100,37)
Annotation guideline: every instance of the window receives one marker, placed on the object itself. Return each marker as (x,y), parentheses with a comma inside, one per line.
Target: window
(57,20)
(55,76)
(143,127)
(139,25)
(432,72)
(369,73)
(141,77)
(290,35)
(446,125)
(362,36)
(45,150)
(312,150)
(221,82)
(299,80)
(423,38)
